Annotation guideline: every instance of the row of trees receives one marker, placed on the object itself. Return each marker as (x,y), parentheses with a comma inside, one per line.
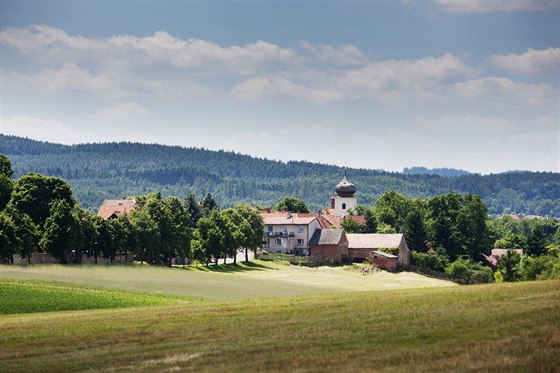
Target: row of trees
(39,213)
(96,170)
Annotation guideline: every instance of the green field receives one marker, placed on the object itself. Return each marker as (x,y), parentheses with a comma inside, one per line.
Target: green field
(34,296)
(493,327)
(270,317)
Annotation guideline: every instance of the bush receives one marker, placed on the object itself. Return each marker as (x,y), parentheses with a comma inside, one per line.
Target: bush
(465,271)
(433,262)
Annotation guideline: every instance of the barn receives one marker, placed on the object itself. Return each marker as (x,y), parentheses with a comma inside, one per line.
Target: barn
(384,260)
(329,245)
(361,246)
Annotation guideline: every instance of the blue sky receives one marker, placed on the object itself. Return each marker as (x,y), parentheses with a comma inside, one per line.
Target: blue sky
(373,84)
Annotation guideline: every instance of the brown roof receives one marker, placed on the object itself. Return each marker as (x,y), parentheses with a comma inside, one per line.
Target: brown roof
(116,207)
(373,240)
(498,253)
(326,237)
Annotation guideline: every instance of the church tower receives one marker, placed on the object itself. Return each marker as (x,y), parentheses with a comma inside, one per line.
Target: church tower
(344,199)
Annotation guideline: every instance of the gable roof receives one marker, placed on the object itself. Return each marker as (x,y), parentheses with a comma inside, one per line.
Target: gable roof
(373,240)
(116,207)
(326,237)
(285,218)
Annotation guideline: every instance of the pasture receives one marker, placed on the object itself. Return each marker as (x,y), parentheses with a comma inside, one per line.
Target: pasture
(495,327)
(231,282)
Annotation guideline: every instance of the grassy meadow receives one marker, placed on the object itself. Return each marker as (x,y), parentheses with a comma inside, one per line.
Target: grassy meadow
(495,327)
(251,280)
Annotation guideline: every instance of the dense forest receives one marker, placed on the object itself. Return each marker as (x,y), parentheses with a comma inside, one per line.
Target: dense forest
(114,170)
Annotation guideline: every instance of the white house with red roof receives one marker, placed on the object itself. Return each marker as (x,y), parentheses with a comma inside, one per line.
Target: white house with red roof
(288,233)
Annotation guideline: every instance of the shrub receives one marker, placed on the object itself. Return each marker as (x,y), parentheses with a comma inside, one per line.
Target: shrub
(433,262)
(465,271)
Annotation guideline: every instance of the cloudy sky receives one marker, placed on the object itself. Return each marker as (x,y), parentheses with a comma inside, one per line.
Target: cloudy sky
(470,84)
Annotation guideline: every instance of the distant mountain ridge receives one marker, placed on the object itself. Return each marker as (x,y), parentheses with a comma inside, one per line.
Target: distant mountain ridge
(113,170)
(445,172)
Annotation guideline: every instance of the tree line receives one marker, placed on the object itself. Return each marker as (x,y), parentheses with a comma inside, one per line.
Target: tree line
(39,213)
(460,233)
(99,171)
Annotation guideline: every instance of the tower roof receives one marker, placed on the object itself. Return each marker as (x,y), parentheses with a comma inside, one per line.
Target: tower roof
(345,188)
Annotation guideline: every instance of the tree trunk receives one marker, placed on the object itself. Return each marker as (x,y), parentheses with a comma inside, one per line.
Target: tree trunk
(225,256)
(246,254)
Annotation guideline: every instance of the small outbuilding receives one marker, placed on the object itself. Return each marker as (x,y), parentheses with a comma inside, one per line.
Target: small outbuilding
(329,245)
(385,261)
(361,246)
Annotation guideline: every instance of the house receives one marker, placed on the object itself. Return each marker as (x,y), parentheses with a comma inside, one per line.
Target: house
(383,260)
(361,245)
(288,233)
(113,208)
(496,254)
(329,245)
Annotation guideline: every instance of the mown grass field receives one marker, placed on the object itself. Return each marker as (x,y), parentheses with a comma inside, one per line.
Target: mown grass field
(231,282)
(495,327)
(36,296)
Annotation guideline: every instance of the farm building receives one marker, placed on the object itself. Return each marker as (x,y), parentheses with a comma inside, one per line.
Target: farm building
(329,245)
(361,245)
(384,260)
(496,254)
(113,208)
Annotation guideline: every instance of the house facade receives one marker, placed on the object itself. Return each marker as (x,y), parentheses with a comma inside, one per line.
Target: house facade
(288,233)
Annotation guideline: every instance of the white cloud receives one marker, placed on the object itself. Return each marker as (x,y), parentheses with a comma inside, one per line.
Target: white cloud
(488,6)
(70,77)
(44,129)
(124,111)
(507,91)
(347,54)
(257,89)
(532,62)
(421,77)
(160,49)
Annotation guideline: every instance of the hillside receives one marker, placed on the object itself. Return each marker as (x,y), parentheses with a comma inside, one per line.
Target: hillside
(496,327)
(109,170)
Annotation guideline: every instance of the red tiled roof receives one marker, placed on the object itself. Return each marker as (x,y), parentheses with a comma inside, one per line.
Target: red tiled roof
(116,207)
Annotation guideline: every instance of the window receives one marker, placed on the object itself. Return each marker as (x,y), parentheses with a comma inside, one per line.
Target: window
(300,229)
(344,206)
(269,228)
(300,241)
(278,241)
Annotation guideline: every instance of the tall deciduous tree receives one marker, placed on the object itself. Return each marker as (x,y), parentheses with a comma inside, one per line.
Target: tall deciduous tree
(34,194)
(8,238)
(292,204)
(442,214)
(58,229)
(254,234)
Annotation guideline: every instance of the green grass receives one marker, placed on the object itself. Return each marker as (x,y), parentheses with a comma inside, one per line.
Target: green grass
(495,327)
(34,296)
(222,283)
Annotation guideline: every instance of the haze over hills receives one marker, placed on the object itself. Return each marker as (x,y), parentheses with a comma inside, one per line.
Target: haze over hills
(113,170)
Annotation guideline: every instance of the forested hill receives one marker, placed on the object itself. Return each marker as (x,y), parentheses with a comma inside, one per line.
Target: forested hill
(113,170)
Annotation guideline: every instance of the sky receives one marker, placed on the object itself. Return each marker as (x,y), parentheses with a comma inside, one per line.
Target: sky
(471,84)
